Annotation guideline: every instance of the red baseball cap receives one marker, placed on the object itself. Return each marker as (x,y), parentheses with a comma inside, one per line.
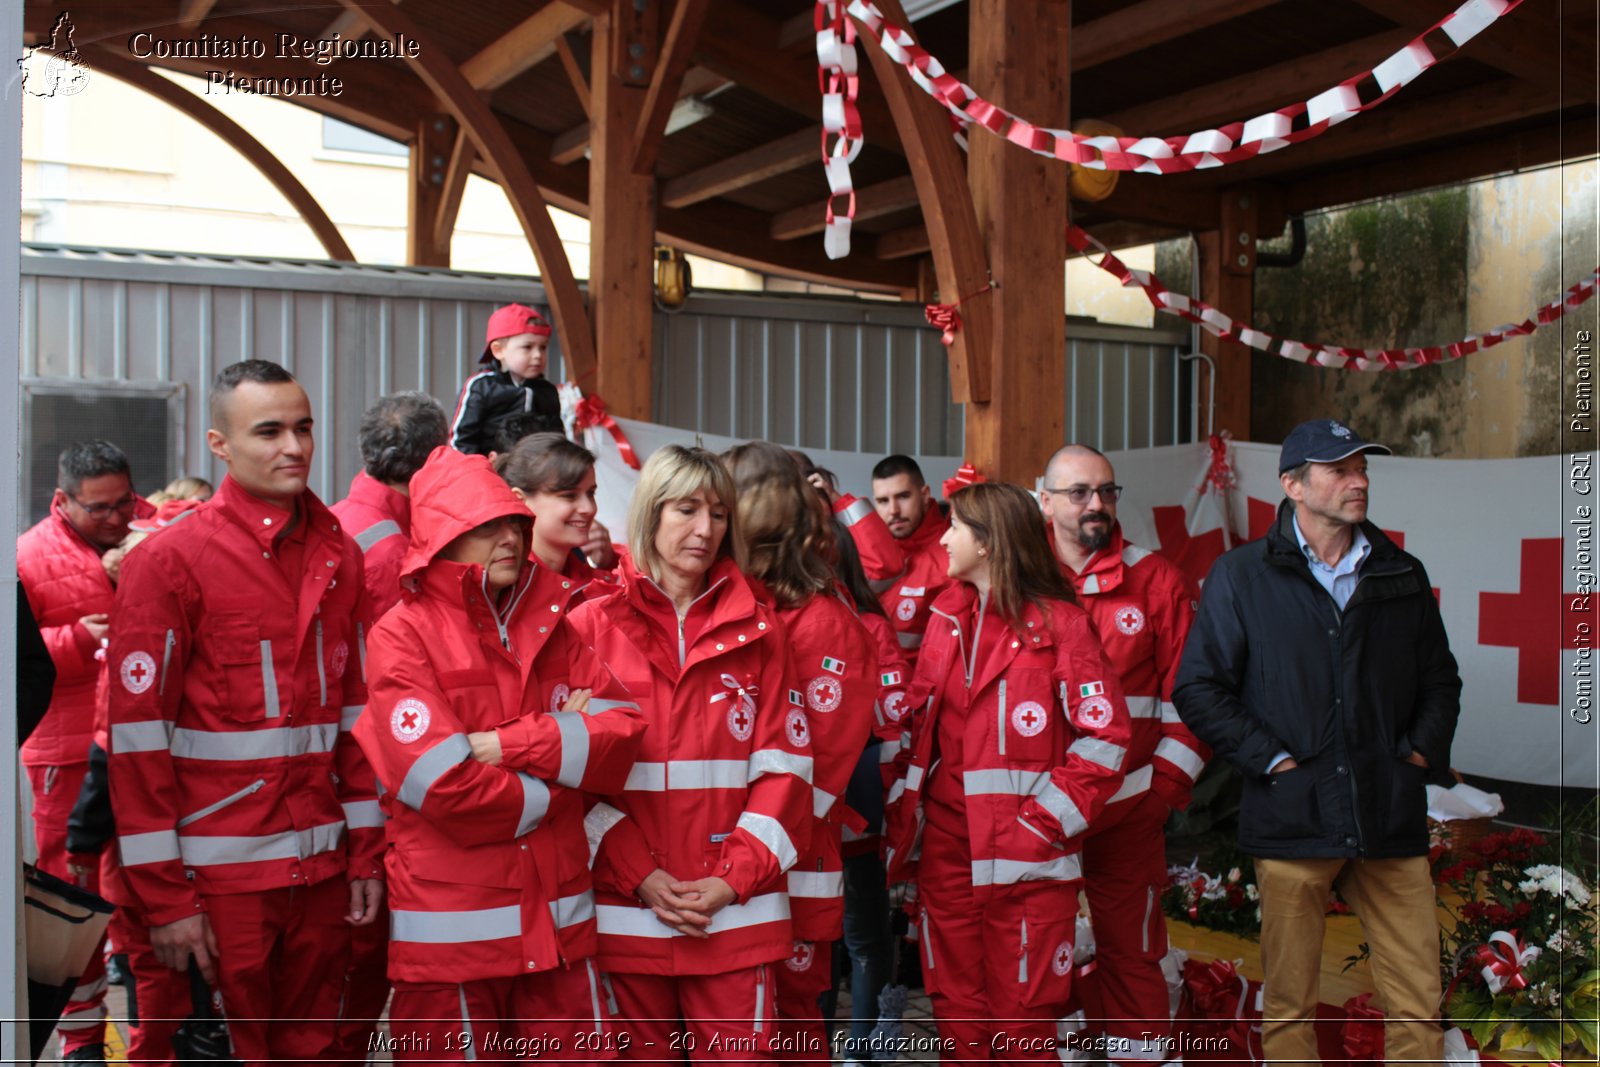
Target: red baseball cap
(510,321)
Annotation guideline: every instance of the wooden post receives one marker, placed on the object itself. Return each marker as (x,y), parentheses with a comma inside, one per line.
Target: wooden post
(430,161)
(1227,283)
(1019,60)
(621,212)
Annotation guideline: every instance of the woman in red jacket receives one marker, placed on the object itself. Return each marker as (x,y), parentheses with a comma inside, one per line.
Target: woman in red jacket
(789,544)
(691,853)
(475,725)
(1019,748)
(554,477)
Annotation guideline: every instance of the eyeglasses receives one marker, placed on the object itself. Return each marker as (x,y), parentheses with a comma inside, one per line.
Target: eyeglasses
(1080,494)
(125,506)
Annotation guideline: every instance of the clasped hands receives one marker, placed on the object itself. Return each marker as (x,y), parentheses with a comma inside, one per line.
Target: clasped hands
(687,907)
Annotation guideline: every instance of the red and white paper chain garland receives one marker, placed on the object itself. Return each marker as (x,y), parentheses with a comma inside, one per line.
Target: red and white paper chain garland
(1222,326)
(1232,143)
(839,81)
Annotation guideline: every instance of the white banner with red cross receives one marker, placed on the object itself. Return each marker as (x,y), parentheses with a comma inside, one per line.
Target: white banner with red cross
(1501,554)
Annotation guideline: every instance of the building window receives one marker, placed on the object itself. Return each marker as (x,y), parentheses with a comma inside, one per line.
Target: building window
(343,137)
(145,420)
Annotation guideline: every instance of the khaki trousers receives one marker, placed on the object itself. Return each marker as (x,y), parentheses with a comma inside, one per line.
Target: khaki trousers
(1394,900)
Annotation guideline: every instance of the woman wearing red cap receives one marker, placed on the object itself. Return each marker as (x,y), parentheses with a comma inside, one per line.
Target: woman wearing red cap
(477,727)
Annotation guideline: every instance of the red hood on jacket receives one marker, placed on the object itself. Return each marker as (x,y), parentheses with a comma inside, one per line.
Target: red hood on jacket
(450,495)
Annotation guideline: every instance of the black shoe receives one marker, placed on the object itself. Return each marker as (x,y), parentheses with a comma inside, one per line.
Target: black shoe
(117,969)
(88,1055)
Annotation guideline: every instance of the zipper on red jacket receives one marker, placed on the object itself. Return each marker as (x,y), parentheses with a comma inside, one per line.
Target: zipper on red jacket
(166,661)
(322,673)
(212,809)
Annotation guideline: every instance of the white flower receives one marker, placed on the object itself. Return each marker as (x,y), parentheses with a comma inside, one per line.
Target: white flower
(1557,882)
(1233,875)
(1251,892)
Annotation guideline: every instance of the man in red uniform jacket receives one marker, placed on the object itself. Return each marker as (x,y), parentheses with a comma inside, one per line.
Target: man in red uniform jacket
(59,563)
(247,819)
(897,536)
(397,435)
(1142,607)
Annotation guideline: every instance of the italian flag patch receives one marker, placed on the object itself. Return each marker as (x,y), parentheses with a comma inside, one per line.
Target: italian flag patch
(833,666)
(890,678)
(1091,689)
(796,698)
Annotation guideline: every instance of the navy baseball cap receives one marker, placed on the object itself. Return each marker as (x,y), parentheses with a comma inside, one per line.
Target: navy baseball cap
(1323,441)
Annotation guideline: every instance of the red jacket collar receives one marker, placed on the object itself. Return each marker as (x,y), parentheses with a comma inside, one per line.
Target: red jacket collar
(928,531)
(265,521)
(390,503)
(1105,569)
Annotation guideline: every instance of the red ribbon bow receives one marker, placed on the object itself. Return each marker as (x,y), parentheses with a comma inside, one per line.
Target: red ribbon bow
(1221,475)
(944,317)
(1501,960)
(592,411)
(1217,988)
(1362,1032)
(966,475)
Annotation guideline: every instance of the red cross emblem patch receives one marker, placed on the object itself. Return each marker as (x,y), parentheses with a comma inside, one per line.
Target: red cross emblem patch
(1028,718)
(1094,712)
(799,730)
(138,672)
(894,706)
(409,720)
(800,959)
(340,659)
(558,697)
(824,693)
(1129,619)
(1061,962)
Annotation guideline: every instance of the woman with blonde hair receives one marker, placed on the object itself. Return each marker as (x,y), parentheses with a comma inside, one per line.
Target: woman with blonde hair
(1017,752)
(790,550)
(689,857)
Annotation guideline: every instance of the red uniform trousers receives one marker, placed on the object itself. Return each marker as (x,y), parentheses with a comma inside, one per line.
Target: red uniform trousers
(1124,870)
(802,979)
(366,987)
(559,1016)
(729,1016)
(281,962)
(158,998)
(55,790)
(999,971)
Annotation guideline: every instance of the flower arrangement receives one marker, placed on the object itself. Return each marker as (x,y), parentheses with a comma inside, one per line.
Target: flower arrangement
(1219,902)
(1519,958)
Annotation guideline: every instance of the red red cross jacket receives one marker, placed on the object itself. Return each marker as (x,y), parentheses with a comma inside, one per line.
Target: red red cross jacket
(379,519)
(488,865)
(1142,606)
(1045,734)
(906,574)
(723,781)
(231,766)
(65,581)
(835,664)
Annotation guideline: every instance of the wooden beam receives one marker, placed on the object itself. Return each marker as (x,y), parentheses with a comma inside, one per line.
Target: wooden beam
(193,13)
(663,93)
(1149,198)
(118,65)
(457,170)
(571,145)
(747,168)
(523,47)
(430,152)
(1227,283)
(875,201)
(622,229)
(575,75)
(1134,27)
(904,242)
(472,111)
(957,239)
(346,25)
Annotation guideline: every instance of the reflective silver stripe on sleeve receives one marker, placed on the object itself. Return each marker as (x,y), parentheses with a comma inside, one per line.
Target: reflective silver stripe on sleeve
(574,748)
(629,921)
(910,640)
(822,802)
(276,743)
(913,777)
(1143,707)
(269,681)
(596,705)
(887,752)
(430,766)
(1181,756)
(645,777)
(287,845)
(1003,781)
(1169,712)
(896,791)
(707,774)
(1135,783)
(598,823)
(816,885)
(1102,753)
(152,735)
(770,832)
(377,532)
(535,802)
(455,927)
(363,815)
(348,716)
(777,761)
(158,846)
(1057,803)
(1010,872)
(855,512)
(570,911)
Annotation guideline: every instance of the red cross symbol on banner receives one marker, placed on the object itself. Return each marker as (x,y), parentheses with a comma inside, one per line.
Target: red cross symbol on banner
(1193,555)
(138,672)
(1539,621)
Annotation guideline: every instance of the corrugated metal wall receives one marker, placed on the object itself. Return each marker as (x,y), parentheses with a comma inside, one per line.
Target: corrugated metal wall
(813,372)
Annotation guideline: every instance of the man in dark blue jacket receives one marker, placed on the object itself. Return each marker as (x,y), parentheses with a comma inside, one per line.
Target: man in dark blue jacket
(1318,666)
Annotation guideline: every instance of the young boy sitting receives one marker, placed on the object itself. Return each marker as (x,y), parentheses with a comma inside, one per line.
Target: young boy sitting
(501,405)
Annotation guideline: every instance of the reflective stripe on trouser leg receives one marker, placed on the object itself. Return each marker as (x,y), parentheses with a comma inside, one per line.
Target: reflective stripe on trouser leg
(471,1045)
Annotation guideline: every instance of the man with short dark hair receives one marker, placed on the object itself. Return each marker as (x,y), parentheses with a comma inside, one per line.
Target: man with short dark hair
(59,564)
(1318,665)
(247,819)
(397,435)
(897,535)
(1142,606)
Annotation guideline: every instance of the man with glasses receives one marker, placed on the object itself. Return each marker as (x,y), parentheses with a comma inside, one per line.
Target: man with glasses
(59,563)
(1141,605)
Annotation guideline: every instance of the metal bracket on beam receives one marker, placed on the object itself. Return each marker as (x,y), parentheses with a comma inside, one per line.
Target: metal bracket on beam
(635,40)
